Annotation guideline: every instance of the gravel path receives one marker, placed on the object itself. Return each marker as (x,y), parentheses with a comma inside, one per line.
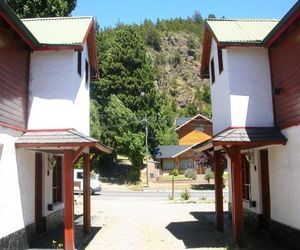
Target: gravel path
(129,223)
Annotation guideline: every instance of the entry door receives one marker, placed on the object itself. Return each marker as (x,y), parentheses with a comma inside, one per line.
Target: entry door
(39,220)
(265,189)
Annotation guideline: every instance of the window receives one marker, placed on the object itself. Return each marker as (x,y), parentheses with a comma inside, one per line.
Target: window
(79,175)
(168,164)
(200,128)
(220,60)
(79,62)
(212,70)
(246,178)
(186,163)
(87,72)
(57,181)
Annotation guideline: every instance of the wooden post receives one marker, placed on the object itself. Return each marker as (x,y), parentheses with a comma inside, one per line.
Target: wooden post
(173,196)
(219,191)
(86,193)
(237,197)
(69,201)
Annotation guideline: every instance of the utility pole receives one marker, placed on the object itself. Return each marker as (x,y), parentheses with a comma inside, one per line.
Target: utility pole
(146,142)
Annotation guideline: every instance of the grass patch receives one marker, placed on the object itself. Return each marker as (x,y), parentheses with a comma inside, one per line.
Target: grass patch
(176,178)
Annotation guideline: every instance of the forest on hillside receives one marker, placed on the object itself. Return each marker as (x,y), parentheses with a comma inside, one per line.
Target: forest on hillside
(144,71)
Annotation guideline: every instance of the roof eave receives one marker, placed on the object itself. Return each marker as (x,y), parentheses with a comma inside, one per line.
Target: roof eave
(9,15)
(283,25)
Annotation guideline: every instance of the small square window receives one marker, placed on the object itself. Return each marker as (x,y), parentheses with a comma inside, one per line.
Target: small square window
(200,128)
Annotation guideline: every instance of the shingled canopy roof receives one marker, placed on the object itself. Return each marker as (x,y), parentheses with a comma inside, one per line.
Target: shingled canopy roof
(59,139)
(244,137)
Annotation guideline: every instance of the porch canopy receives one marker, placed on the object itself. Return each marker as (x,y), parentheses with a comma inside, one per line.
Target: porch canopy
(231,141)
(72,144)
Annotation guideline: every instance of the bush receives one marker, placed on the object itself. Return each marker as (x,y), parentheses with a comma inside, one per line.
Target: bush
(190,173)
(177,59)
(174,172)
(185,194)
(209,174)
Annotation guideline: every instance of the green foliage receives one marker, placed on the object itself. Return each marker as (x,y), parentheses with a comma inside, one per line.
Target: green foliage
(209,174)
(191,43)
(190,173)
(42,8)
(185,194)
(174,172)
(177,59)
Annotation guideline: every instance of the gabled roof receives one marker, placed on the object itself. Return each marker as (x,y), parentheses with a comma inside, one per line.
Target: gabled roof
(60,138)
(55,33)
(233,32)
(291,17)
(181,121)
(169,151)
(59,30)
(186,120)
(236,31)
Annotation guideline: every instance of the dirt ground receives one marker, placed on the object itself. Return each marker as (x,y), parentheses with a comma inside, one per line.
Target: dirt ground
(142,224)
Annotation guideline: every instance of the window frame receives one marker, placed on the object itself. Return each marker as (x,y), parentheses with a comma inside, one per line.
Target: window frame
(79,62)
(57,181)
(212,71)
(246,179)
(87,72)
(220,60)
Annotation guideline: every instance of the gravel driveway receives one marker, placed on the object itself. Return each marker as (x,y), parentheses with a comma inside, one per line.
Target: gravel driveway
(133,223)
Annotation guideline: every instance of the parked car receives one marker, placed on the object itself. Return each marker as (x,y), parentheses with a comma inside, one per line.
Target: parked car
(95,184)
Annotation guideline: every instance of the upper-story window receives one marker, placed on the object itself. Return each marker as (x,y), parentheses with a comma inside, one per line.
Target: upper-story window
(212,70)
(87,72)
(220,60)
(79,62)
(200,128)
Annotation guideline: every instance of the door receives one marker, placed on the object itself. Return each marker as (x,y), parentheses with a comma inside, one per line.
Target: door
(265,189)
(39,220)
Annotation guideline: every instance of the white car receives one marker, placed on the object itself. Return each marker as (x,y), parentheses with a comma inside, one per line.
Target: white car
(95,184)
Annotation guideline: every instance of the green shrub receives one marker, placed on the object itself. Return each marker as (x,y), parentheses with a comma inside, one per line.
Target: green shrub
(174,172)
(185,194)
(209,174)
(177,59)
(190,173)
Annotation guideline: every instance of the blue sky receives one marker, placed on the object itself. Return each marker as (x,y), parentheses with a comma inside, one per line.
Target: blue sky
(109,12)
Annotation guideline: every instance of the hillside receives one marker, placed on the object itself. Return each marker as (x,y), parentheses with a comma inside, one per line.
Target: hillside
(178,68)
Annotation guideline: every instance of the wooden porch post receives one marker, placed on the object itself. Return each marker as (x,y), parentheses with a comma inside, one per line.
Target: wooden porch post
(86,193)
(69,201)
(218,191)
(237,196)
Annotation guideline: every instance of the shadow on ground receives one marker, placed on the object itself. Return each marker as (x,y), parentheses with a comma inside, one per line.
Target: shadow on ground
(82,239)
(202,234)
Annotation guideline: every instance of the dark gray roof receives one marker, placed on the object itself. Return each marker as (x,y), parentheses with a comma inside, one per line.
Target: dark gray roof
(55,136)
(249,135)
(62,137)
(169,151)
(181,121)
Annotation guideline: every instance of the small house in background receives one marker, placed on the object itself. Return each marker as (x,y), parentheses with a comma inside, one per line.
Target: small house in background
(191,132)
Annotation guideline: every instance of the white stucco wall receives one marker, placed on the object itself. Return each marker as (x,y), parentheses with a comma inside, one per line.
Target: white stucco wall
(250,87)
(284,173)
(16,185)
(59,96)
(220,92)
